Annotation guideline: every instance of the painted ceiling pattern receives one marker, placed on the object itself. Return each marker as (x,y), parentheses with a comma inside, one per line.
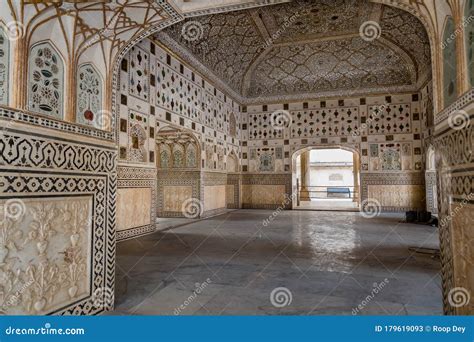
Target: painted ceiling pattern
(306,46)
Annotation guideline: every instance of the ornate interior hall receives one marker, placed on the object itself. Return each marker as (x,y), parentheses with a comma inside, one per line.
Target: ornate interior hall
(237,157)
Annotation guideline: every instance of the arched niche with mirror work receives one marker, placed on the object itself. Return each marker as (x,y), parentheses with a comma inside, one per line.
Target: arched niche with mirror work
(176,149)
(45,80)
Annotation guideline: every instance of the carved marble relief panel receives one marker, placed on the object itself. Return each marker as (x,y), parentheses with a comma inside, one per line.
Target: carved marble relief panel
(45,80)
(4,66)
(45,253)
(89,96)
(139,74)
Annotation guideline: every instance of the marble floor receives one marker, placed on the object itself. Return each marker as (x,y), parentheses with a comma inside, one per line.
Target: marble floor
(332,204)
(296,263)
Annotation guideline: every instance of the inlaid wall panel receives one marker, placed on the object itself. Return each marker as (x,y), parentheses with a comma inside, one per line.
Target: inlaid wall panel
(394,191)
(385,130)
(65,189)
(46,80)
(136,201)
(89,93)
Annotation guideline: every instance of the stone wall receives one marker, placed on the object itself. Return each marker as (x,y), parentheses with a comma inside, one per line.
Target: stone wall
(158,93)
(384,130)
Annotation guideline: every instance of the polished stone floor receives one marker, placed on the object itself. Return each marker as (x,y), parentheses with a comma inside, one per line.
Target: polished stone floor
(333,204)
(296,263)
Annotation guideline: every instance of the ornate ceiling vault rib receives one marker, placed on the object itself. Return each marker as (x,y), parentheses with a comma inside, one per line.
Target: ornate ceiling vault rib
(306,48)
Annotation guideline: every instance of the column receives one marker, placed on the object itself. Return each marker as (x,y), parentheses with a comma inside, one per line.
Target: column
(356,171)
(305,176)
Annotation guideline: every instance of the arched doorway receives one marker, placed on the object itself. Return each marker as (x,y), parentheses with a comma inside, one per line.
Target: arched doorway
(326,178)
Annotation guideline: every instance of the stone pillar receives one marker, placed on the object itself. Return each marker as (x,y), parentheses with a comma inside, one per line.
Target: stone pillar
(305,177)
(356,168)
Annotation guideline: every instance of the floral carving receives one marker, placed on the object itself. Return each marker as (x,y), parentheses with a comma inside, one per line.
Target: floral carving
(45,255)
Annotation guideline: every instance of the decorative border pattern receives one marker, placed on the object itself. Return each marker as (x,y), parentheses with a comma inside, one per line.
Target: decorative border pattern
(430,183)
(234,179)
(66,167)
(460,103)
(52,123)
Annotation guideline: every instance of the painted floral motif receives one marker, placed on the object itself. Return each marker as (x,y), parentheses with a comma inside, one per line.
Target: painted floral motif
(46,84)
(89,95)
(139,73)
(4,67)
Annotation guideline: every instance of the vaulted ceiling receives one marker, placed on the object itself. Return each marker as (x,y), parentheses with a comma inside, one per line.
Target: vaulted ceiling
(306,48)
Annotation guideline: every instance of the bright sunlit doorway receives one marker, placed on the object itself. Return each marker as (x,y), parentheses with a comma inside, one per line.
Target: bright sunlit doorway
(326,179)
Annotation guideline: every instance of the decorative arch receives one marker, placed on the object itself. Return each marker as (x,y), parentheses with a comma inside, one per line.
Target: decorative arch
(357,193)
(177,148)
(469,36)
(46,80)
(89,92)
(4,66)
(191,155)
(449,63)
(232,162)
(165,156)
(178,155)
